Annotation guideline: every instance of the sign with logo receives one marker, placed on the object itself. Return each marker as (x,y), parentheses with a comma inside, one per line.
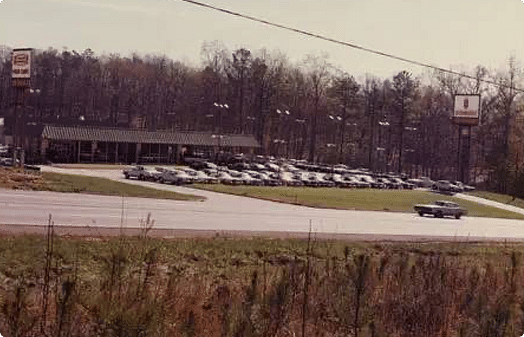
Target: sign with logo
(21,63)
(466,109)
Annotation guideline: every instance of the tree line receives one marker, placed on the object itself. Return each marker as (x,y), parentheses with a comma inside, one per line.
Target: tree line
(304,110)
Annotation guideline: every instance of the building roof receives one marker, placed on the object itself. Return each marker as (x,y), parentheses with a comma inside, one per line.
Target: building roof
(90,133)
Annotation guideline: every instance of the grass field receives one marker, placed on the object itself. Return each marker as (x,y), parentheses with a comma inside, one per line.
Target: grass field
(225,286)
(502,198)
(82,184)
(356,199)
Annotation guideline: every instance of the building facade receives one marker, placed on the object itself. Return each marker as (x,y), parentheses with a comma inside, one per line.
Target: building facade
(77,144)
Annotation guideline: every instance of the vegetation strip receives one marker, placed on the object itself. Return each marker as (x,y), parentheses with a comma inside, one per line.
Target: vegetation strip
(57,182)
(357,199)
(502,198)
(256,287)
(82,184)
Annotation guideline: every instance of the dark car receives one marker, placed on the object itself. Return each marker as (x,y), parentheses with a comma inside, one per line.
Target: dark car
(440,209)
(137,172)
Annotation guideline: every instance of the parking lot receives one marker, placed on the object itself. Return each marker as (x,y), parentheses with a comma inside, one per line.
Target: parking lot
(272,173)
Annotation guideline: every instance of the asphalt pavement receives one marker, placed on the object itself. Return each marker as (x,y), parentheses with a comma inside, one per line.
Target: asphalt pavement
(228,213)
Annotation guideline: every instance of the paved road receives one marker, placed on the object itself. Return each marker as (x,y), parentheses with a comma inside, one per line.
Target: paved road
(222,212)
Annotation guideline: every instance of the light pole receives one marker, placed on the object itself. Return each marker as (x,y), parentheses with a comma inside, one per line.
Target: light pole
(302,123)
(337,120)
(277,142)
(411,130)
(381,158)
(220,107)
(383,124)
(282,114)
(251,120)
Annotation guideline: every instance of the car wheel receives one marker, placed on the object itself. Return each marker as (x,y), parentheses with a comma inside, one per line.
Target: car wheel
(457,216)
(439,215)
(126,176)
(421,213)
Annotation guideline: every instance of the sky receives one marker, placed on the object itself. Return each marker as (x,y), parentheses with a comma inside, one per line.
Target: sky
(447,33)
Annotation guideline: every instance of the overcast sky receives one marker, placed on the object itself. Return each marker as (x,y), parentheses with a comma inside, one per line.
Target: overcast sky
(447,33)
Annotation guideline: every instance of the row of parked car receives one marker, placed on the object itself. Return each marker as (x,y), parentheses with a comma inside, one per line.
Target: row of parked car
(269,174)
(297,173)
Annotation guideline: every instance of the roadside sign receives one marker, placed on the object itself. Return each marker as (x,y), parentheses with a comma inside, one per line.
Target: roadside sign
(466,110)
(21,63)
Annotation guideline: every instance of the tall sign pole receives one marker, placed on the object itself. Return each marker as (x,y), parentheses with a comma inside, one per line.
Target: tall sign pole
(21,82)
(466,113)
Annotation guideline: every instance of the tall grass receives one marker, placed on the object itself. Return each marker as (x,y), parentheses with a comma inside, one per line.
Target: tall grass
(139,286)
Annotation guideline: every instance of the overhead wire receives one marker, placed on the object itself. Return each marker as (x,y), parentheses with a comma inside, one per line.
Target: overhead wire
(349,44)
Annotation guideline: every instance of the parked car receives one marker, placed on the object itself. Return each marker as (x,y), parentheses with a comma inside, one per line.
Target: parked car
(289,179)
(440,209)
(272,167)
(156,173)
(240,166)
(137,172)
(464,187)
(256,167)
(405,184)
(390,184)
(445,186)
(339,180)
(371,181)
(249,180)
(193,174)
(175,177)
(226,178)
(304,177)
(427,182)
(325,182)
(8,162)
(268,178)
(358,183)
(205,178)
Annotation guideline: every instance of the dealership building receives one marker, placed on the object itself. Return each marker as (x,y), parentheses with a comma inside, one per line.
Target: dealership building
(90,144)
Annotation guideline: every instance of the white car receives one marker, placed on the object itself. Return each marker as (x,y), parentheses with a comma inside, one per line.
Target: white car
(208,179)
(288,179)
(249,180)
(226,178)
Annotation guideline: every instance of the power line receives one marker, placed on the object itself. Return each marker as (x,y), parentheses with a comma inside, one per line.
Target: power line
(348,44)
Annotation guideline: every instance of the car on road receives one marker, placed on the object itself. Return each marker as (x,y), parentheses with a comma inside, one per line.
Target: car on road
(441,208)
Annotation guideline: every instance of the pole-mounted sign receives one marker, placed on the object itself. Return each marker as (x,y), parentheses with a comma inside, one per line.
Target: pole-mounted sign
(466,110)
(466,113)
(21,67)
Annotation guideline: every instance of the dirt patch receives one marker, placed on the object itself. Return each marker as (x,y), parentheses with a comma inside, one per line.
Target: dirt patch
(18,179)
